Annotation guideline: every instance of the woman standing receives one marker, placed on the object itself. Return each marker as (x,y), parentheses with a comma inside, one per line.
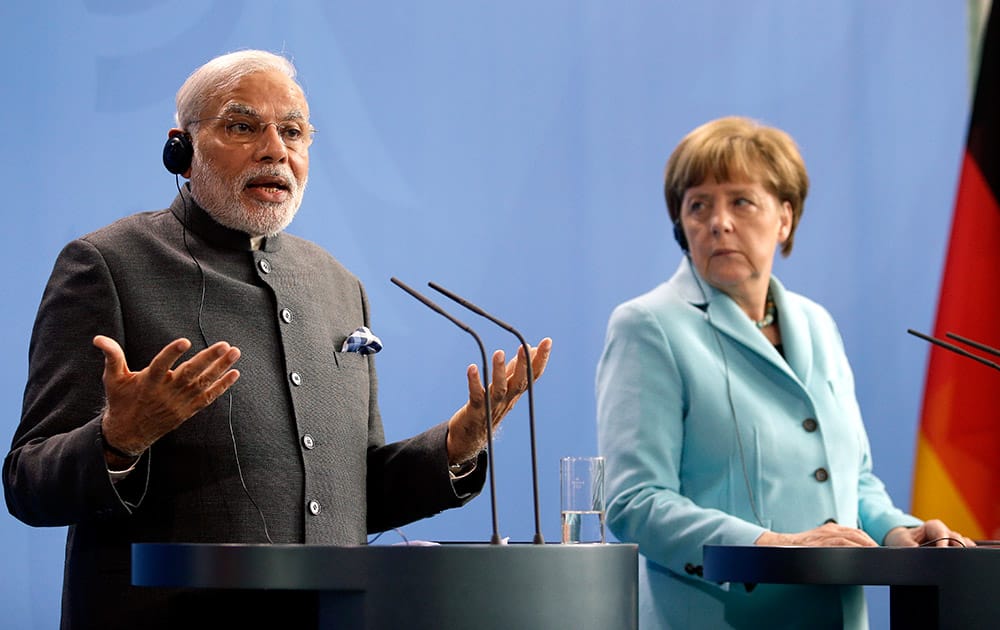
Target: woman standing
(726,404)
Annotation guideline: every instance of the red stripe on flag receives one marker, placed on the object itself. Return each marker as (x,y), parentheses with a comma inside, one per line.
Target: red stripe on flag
(961,418)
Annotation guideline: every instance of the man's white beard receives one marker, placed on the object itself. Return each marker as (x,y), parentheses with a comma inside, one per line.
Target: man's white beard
(223,200)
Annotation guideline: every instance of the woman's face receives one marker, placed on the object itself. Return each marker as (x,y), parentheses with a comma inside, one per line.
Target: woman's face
(732,230)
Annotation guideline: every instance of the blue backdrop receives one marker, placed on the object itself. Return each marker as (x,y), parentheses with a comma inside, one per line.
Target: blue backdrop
(512,152)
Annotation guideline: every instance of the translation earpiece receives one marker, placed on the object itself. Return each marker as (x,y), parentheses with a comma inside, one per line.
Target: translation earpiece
(679,236)
(177,153)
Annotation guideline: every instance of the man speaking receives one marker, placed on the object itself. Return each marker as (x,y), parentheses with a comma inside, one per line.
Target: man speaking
(232,396)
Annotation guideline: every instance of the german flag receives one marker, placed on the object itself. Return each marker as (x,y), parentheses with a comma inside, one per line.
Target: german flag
(957,475)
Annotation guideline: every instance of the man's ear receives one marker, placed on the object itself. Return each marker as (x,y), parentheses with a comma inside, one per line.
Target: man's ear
(178,152)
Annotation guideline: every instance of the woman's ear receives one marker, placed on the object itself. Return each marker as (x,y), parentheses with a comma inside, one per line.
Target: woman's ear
(785,225)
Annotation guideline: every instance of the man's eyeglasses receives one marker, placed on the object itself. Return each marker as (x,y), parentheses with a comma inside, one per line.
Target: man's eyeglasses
(296,135)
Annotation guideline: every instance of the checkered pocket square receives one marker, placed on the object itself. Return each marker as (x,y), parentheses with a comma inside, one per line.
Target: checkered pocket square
(362,341)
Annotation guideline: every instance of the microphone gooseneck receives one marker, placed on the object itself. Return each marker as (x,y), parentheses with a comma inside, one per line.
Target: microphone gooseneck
(957,350)
(974,344)
(495,539)
(538,540)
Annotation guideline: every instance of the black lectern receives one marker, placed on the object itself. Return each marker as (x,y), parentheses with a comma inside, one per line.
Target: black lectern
(440,586)
(929,587)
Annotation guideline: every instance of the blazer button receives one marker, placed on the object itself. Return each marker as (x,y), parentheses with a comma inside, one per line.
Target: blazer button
(691,569)
(314,507)
(296,378)
(821,474)
(265,265)
(286,316)
(831,520)
(307,441)
(810,424)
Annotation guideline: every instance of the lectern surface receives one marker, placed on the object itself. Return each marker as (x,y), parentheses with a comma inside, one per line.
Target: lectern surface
(930,587)
(442,586)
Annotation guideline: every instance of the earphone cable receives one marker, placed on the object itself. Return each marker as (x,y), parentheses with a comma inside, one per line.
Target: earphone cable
(729,395)
(204,339)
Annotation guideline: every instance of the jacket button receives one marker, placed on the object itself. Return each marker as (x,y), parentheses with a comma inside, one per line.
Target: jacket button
(821,474)
(831,520)
(314,507)
(286,316)
(691,569)
(810,424)
(296,378)
(307,441)
(265,265)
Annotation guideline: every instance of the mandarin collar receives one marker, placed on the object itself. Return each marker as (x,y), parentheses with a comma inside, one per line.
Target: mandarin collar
(194,218)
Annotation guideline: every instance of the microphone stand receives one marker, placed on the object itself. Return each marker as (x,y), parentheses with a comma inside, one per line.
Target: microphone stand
(974,344)
(495,539)
(538,539)
(956,349)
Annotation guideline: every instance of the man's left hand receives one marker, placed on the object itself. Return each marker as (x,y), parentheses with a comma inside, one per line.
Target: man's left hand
(467,428)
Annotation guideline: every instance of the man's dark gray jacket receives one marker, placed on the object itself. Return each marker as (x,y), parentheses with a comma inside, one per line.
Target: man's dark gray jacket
(303,416)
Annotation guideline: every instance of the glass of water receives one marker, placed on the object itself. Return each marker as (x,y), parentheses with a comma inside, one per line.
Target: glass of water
(581,499)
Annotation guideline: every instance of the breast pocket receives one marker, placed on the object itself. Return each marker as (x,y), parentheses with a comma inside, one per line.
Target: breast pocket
(349,396)
(351,361)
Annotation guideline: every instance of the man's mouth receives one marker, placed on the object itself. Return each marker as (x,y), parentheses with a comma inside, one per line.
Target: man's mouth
(269,184)
(269,188)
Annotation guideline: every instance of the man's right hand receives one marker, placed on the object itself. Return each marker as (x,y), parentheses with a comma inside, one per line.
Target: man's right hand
(144,406)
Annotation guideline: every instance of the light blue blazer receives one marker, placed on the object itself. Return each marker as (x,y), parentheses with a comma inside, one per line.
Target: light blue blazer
(712,437)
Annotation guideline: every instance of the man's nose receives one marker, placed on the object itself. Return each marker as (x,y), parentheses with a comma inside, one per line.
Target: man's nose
(270,146)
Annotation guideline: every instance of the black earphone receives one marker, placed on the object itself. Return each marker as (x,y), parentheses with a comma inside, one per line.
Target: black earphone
(177,153)
(679,235)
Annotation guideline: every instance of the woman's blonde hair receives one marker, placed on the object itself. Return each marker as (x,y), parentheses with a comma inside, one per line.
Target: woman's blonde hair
(735,149)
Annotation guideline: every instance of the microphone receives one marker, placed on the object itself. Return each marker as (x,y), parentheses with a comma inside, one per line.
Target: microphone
(975,344)
(958,350)
(495,539)
(539,540)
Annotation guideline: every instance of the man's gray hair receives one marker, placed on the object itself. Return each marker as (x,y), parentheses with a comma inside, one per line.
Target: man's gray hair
(219,75)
